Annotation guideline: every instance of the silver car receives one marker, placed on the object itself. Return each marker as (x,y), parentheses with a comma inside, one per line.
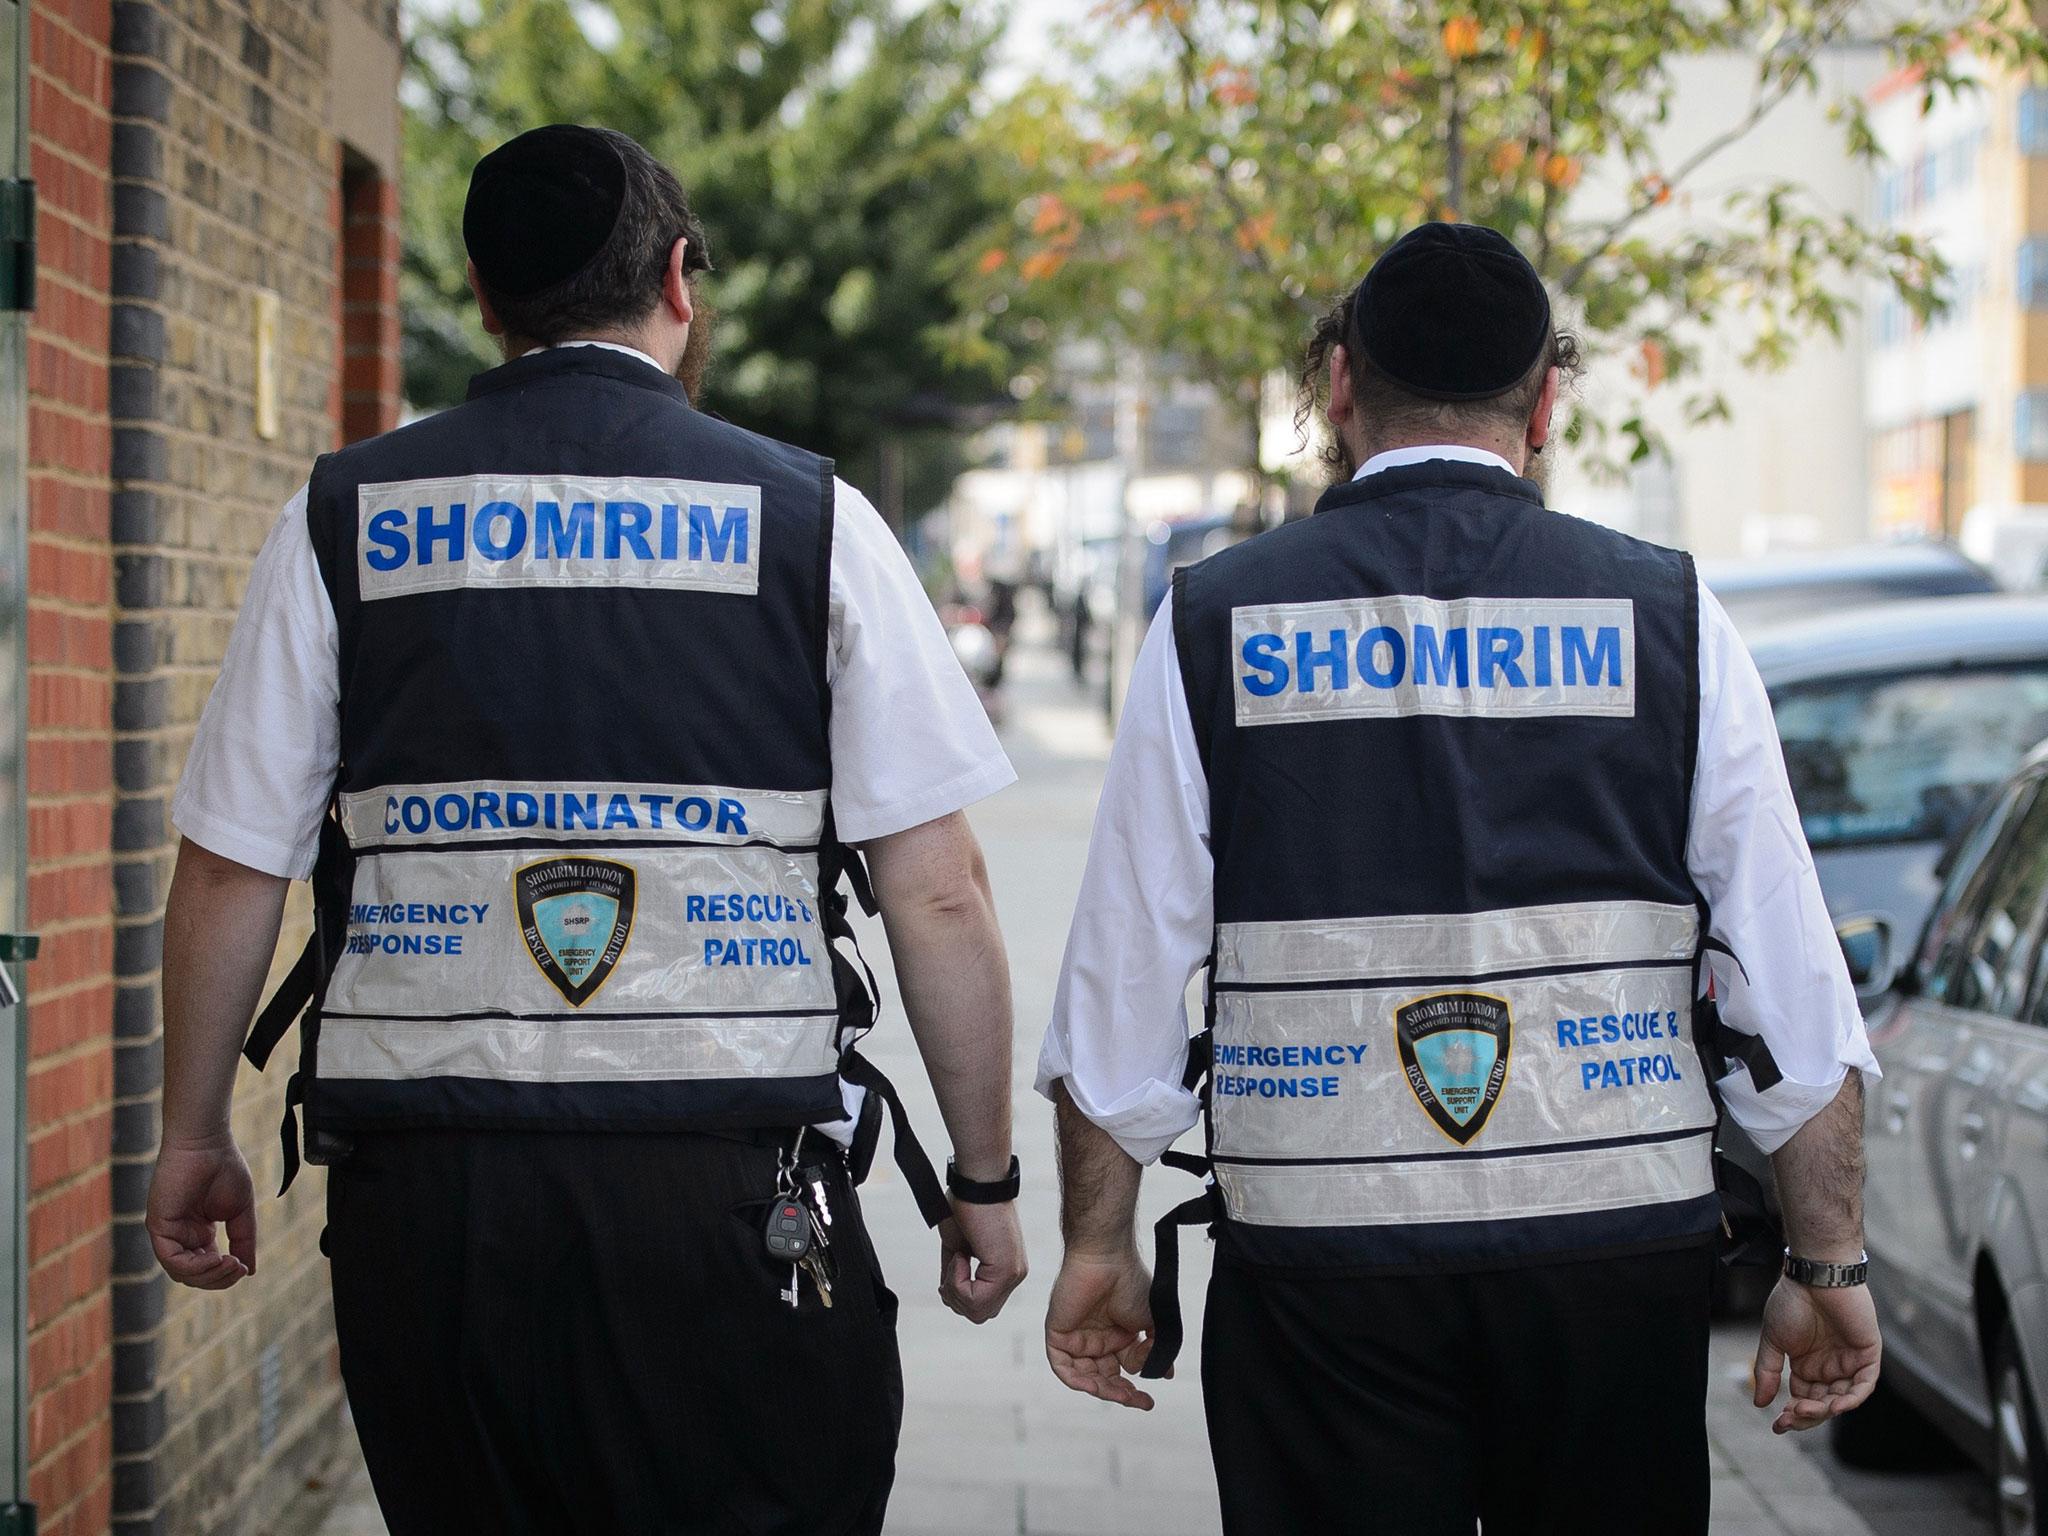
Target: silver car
(1957,1137)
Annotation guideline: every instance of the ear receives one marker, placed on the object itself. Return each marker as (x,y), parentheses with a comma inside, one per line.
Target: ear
(675,286)
(1546,406)
(493,326)
(1339,409)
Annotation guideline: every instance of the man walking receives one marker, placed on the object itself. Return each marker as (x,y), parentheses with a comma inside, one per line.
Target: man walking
(1453,796)
(571,701)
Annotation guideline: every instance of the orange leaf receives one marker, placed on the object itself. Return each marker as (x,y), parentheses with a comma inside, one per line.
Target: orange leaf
(1042,264)
(1653,361)
(1461,37)
(1508,157)
(1561,170)
(1051,214)
(1255,232)
(991,261)
(1657,190)
(1125,192)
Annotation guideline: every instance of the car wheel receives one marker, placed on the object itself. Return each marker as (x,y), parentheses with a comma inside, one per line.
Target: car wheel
(2020,1465)
(1888,1434)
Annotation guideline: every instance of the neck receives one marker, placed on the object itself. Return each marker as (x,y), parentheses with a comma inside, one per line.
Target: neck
(666,352)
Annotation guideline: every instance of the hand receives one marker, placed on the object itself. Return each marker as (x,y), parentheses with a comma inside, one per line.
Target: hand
(1099,1325)
(196,1186)
(981,1259)
(1830,1336)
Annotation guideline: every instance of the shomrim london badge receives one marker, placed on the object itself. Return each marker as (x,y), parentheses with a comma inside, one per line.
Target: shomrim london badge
(575,915)
(1454,1049)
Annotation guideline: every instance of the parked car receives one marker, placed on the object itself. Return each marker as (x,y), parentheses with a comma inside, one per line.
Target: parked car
(1895,721)
(1773,588)
(1956,1133)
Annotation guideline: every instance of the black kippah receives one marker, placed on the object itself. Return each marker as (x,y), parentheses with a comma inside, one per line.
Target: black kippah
(1452,312)
(540,208)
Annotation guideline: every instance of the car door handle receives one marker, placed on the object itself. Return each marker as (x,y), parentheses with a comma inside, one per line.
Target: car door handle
(1970,1129)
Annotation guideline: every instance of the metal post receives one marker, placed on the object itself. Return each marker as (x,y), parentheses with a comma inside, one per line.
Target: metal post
(17,947)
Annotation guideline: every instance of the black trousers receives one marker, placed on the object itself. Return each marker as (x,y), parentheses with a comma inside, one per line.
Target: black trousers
(568,1333)
(1561,1400)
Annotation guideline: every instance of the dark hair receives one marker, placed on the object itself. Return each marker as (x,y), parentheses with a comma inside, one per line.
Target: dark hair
(1394,411)
(622,283)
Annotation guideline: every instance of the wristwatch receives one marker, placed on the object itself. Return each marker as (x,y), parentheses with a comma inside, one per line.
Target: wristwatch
(1824,1276)
(990,1192)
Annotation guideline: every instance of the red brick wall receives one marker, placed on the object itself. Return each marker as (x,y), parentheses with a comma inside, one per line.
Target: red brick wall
(70,770)
(371,241)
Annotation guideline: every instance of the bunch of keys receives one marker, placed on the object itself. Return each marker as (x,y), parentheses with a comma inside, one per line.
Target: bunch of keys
(796,1235)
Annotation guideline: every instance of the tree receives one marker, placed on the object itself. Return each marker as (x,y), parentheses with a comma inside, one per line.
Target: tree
(825,145)
(1212,198)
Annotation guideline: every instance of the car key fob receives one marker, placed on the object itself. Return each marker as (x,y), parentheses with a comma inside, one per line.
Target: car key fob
(788,1232)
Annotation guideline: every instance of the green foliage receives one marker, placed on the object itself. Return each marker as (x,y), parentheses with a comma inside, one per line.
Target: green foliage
(825,145)
(1214,172)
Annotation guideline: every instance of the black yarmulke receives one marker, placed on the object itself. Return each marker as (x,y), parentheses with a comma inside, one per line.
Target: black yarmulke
(1452,312)
(540,208)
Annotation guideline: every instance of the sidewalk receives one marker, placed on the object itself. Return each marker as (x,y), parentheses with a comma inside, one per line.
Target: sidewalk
(992,1444)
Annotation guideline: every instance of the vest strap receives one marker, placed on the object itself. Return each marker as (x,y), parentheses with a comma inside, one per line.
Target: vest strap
(915,1166)
(288,1129)
(1168,1327)
(1201,1057)
(286,1004)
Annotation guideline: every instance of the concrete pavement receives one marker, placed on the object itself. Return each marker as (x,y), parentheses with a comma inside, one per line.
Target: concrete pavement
(993,1445)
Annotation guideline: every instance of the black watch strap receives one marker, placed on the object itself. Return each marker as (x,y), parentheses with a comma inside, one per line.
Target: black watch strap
(994,1192)
(1826,1276)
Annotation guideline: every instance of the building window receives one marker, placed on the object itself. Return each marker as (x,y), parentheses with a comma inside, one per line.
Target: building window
(2033,123)
(2030,426)
(2033,274)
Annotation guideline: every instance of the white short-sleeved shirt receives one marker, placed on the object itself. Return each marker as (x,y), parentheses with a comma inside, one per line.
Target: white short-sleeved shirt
(910,741)
(1145,917)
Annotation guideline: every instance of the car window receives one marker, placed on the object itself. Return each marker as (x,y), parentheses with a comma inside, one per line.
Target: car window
(1905,758)
(1993,966)
(1970,871)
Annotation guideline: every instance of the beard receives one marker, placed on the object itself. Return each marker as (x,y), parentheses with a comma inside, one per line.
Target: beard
(695,362)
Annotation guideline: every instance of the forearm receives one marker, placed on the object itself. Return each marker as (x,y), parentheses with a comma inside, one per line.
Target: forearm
(220,931)
(955,980)
(1098,1184)
(1820,1179)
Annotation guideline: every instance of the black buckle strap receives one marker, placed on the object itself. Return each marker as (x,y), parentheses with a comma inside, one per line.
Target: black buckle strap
(1728,1045)
(285,1005)
(288,1129)
(916,1167)
(1168,1327)
(1201,1057)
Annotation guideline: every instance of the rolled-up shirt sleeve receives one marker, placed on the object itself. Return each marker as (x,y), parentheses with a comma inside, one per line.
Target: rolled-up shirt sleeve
(1748,855)
(1142,924)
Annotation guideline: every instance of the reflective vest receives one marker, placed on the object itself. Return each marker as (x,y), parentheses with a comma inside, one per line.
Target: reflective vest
(581,867)
(1449,738)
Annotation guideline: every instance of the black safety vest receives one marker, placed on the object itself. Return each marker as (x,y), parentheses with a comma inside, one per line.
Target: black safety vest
(1449,738)
(580,862)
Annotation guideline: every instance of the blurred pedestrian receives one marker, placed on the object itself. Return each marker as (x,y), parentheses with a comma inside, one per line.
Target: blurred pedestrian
(577,706)
(1460,801)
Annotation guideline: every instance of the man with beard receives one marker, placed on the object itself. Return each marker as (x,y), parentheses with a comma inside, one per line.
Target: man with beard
(1453,796)
(577,705)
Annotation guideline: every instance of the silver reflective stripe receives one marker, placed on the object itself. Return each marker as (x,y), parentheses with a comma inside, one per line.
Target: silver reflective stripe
(511,531)
(485,810)
(1383,657)
(1560,1183)
(579,1050)
(1591,1056)
(729,930)
(1588,933)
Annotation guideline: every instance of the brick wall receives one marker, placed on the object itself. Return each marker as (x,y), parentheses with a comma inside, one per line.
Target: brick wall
(227,192)
(70,773)
(186,161)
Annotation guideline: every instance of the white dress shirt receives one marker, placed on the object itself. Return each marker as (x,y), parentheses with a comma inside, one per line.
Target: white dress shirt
(1145,917)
